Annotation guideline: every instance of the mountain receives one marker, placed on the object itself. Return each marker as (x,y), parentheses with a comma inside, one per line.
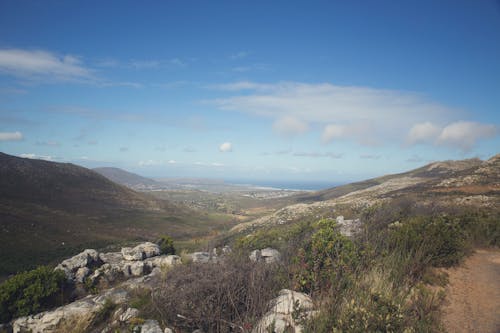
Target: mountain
(128,179)
(49,210)
(468,183)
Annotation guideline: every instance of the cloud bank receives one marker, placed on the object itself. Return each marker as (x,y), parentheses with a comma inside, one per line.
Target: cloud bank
(40,65)
(11,136)
(368,116)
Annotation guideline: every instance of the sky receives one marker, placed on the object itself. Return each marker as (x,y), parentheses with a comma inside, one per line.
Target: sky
(286,90)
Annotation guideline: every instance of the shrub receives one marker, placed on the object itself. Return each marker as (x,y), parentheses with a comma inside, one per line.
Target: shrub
(326,261)
(166,244)
(434,241)
(223,297)
(31,292)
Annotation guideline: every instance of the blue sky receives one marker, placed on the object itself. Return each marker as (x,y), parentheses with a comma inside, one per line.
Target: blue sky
(312,90)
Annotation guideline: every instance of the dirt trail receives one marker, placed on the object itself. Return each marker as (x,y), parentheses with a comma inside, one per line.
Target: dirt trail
(473,295)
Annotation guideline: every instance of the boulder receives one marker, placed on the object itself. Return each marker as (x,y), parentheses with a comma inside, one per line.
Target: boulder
(201,257)
(284,312)
(270,255)
(162,261)
(267,255)
(255,255)
(81,311)
(141,251)
(129,314)
(137,268)
(151,326)
(81,274)
(87,258)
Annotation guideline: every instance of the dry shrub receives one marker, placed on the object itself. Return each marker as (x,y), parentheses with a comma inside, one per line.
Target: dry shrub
(225,297)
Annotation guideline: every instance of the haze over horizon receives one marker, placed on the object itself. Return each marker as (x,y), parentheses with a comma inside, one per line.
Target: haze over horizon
(250,90)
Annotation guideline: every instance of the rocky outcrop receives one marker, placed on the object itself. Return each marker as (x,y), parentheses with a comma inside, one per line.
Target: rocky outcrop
(141,251)
(81,311)
(85,259)
(111,266)
(267,255)
(286,313)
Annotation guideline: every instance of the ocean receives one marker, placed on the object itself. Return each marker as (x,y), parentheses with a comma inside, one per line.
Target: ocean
(286,184)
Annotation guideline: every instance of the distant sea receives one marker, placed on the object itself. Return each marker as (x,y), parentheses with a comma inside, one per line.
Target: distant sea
(285,185)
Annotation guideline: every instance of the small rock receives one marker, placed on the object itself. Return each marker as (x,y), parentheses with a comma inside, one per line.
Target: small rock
(270,255)
(151,326)
(283,313)
(129,314)
(168,330)
(201,257)
(267,255)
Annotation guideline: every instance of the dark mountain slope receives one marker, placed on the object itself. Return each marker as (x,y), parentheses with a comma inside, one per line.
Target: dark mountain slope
(50,210)
(126,178)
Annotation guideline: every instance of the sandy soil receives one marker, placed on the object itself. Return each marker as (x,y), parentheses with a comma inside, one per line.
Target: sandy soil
(473,295)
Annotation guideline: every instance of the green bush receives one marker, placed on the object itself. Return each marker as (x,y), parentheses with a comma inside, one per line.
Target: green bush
(326,261)
(166,244)
(430,241)
(31,292)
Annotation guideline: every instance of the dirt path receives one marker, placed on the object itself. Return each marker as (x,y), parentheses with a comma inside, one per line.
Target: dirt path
(473,295)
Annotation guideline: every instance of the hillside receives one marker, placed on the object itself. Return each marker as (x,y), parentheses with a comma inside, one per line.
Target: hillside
(128,179)
(49,210)
(465,183)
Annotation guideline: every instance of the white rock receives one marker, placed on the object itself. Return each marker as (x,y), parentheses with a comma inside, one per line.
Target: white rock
(129,253)
(151,326)
(129,314)
(255,255)
(168,330)
(283,309)
(161,261)
(81,274)
(137,268)
(201,257)
(268,255)
(82,310)
(141,251)
(86,258)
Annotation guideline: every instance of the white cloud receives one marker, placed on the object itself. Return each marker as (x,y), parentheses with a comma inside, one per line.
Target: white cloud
(290,126)
(226,147)
(315,154)
(149,163)
(172,162)
(239,55)
(366,115)
(11,136)
(332,132)
(37,157)
(48,143)
(39,64)
(370,156)
(145,64)
(460,134)
(423,133)
(465,134)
